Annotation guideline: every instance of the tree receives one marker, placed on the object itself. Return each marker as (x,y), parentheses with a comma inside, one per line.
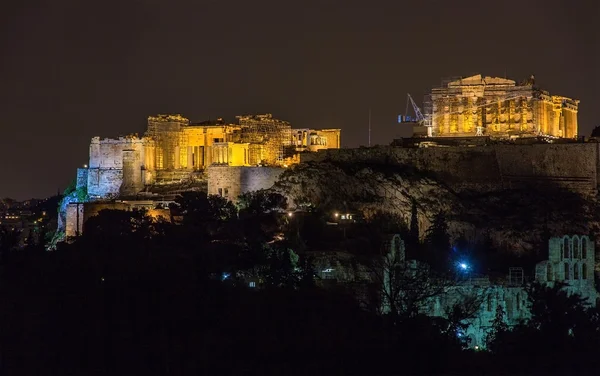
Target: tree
(110,224)
(437,241)
(405,286)
(198,207)
(596,131)
(464,308)
(261,202)
(378,227)
(206,218)
(554,311)
(562,327)
(499,329)
(261,217)
(282,268)
(414,224)
(9,242)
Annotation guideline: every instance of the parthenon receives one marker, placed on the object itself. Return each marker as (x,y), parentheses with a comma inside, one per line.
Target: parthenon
(499,107)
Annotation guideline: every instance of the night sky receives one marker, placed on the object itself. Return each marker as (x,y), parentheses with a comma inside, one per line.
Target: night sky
(73,69)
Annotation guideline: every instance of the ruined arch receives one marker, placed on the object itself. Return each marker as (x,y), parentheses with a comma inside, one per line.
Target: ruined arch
(584,247)
(576,247)
(584,272)
(398,246)
(549,273)
(567,276)
(566,248)
(393,247)
(576,270)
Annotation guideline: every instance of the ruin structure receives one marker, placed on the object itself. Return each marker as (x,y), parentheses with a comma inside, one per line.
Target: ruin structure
(173,149)
(176,155)
(571,260)
(498,107)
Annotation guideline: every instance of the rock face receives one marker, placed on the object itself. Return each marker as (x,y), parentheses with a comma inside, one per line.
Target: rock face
(573,166)
(515,219)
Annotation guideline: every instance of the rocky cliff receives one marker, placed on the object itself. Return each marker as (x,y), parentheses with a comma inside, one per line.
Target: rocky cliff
(515,219)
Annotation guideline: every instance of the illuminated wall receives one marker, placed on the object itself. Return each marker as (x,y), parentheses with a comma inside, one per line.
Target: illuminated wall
(197,153)
(333,137)
(232,181)
(123,167)
(231,154)
(499,107)
(165,130)
(105,169)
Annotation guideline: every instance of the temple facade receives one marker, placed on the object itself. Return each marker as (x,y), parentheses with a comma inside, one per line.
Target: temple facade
(498,107)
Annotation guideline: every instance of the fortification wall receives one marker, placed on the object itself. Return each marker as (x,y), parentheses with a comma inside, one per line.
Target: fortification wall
(74,219)
(230,182)
(109,158)
(133,181)
(104,183)
(573,166)
(108,152)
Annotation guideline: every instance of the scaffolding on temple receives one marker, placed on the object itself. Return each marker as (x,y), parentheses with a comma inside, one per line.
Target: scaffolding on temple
(165,130)
(273,135)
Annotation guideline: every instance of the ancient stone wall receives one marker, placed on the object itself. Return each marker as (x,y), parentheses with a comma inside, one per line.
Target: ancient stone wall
(104,183)
(74,220)
(133,181)
(230,181)
(105,171)
(572,166)
(493,167)
(82,178)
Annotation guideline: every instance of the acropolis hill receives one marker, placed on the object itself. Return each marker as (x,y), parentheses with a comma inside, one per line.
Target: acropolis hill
(485,138)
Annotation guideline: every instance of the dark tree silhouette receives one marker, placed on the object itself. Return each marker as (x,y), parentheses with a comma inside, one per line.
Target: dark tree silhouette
(437,242)
(413,237)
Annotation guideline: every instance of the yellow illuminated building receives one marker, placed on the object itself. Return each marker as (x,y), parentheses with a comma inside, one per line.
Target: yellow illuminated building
(255,140)
(498,107)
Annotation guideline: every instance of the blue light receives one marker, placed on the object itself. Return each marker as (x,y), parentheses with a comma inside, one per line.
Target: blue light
(225,276)
(463,266)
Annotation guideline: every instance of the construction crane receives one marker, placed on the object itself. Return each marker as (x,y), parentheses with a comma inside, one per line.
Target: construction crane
(420,119)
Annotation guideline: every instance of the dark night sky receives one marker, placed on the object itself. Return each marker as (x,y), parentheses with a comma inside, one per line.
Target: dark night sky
(72,69)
